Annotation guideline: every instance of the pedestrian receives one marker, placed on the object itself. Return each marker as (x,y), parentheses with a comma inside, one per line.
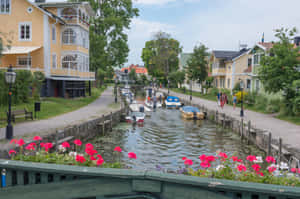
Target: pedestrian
(223,100)
(234,101)
(149,98)
(160,98)
(219,98)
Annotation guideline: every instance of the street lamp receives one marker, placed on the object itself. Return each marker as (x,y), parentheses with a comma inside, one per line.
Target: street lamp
(10,78)
(242,97)
(191,93)
(116,91)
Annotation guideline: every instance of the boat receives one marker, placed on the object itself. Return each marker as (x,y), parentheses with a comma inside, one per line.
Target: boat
(150,104)
(136,117)
(135,107)
(172,102)
(191,112)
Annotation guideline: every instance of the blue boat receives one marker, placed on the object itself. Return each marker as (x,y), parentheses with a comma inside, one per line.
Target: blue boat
(191,112)
(172,102)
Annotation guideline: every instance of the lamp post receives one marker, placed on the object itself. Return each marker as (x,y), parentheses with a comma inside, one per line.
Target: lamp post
(10,78)
(242,97)
(191,91)
(116,91)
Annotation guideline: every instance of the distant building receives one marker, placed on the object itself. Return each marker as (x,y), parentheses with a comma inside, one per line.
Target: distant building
(139,70)
(52,38)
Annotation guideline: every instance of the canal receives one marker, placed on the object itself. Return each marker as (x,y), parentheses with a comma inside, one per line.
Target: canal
(165,138)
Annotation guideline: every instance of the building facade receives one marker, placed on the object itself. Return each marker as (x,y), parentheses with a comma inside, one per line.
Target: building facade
(52,38)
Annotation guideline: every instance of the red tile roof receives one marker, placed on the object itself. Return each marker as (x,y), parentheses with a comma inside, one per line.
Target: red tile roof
(267,45)
(138,69)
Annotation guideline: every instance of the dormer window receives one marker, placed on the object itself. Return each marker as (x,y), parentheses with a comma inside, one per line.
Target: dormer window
(5,6)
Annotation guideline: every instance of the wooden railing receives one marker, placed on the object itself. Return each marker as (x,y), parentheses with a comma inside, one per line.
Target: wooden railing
(37,180)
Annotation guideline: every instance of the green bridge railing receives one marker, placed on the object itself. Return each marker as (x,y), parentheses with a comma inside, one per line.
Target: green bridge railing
(36,180)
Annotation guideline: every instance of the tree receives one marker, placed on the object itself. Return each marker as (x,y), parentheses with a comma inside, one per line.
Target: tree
(280,70)
(37,82)
(132,75)
(198,64)
(160,55)
(177,77)
(101,74)
(5,41)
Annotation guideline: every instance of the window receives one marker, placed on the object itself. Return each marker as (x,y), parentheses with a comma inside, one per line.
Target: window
(69,36)
(25,31)
(256,60)
(24,61)
(248,83)
(53,33)
(87,64)
(54,64)
(249,62)
(69,62)
(5,6)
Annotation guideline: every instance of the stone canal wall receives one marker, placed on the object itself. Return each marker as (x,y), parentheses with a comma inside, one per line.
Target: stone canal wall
(251,134)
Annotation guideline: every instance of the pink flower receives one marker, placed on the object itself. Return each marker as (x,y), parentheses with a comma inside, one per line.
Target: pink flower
(20,142)
(89,146)
(210,158)
(118,149)
(65,145)
(11,152)
(260,173)
(184,158)
(256,167)
(47,146)
(13,141)
(188,162)
(42,144)
(37,138)
(30,146)
(202,157)
(272,169)
(91,151)
(241,168)
(223,155)
(294,170)
(131,155)
(99,161)
(77,142)
(205,164)
(80,159)
(99,156)
(251,158)
(270,159)
(92,158)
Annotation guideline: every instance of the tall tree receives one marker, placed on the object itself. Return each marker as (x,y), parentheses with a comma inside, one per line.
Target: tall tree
(198,64)
(160,55)
(280,70)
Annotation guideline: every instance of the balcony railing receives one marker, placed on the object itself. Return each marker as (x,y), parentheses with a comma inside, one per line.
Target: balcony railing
(75,19)
(72,73)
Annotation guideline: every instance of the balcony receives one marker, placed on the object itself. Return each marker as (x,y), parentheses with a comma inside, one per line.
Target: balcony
(65,72)
(75,16)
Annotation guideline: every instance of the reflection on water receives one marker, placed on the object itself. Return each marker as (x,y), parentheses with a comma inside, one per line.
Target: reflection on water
(166,138)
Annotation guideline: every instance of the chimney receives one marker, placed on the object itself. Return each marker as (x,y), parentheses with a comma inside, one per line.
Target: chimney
(40,1)
(297,41)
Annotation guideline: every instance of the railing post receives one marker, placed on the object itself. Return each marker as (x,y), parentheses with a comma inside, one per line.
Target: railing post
(269,143)
(280,149)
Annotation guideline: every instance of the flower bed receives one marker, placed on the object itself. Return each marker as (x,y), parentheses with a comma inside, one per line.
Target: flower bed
(220,166)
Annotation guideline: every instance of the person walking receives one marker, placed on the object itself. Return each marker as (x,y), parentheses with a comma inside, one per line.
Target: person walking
(234,101)
(219,98)
(222,100)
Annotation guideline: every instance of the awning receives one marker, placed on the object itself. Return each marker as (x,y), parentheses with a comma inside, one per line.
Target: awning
(20,50)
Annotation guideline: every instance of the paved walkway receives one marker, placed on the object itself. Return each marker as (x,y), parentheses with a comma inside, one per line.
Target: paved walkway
(290,133)
(95,109)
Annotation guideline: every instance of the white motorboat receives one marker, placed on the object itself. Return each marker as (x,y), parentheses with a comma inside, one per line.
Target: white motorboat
(172,102)
(136,117)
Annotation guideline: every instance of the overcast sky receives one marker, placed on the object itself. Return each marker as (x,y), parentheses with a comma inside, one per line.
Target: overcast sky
(219,24)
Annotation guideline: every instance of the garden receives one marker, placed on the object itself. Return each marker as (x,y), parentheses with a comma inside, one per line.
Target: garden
(221,166)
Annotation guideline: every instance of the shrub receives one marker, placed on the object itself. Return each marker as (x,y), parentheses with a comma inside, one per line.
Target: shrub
(214,91)
(239,95)
(296,106)
(236,88)
(261,102)
(273,105)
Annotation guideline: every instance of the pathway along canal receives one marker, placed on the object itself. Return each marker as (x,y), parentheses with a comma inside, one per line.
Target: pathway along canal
(165,138)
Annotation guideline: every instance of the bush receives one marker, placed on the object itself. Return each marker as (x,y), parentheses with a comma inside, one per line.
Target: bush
(273,105)
(250,98)
(261,102)
(296,106)
(214,91)
(236,88)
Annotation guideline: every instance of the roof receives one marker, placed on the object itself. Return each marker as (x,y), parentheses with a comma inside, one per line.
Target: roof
(266,45)
(138,69)
(223,54)
(20,50)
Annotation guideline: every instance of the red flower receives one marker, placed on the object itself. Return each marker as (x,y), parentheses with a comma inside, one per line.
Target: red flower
(236,159)
(184,158)
(294,170)
(188,162)
(241,168)
(77,142)
(92,158)
(20,142)
(256,167)
(223,155)
(47,146)
(80,159)
(42,144)
(65,145)
(30,146)
(13,141)
(131,155)
(89,146)
(210,158)
(12,151)
(118,149)
(202,157)
(251,158)
(260,173)
(270,159)
(37,138)
(99,161)
(99,156)
(271,169)
(205,164)
(91,151)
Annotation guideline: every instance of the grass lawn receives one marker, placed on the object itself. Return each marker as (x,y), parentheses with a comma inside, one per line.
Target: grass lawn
(291,119)
(51,106)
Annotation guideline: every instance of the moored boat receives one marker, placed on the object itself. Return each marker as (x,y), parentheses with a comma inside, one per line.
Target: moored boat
(172,102)
(136,117)
(191,112)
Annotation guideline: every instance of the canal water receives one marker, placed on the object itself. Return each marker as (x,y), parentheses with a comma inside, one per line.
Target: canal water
(165,138)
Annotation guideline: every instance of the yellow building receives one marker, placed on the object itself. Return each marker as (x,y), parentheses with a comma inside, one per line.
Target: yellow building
(231,67)
(49,37)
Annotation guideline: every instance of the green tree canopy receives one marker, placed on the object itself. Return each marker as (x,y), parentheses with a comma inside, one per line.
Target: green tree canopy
(280,70)
(198,64)
(160,55)
(132,75)
(177,77)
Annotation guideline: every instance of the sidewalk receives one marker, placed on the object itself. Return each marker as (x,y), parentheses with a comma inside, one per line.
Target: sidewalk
(96,108)
(290,133)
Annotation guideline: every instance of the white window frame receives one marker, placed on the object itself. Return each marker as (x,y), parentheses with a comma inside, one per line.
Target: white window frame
(24,57)
(54,66)
(5,3)
(53,36)
(30,31)
(258,59)
(69,37)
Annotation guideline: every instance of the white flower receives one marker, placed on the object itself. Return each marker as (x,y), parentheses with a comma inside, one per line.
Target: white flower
(219,167)
(284,166)
(258,159)
(61,148)
(72,154)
